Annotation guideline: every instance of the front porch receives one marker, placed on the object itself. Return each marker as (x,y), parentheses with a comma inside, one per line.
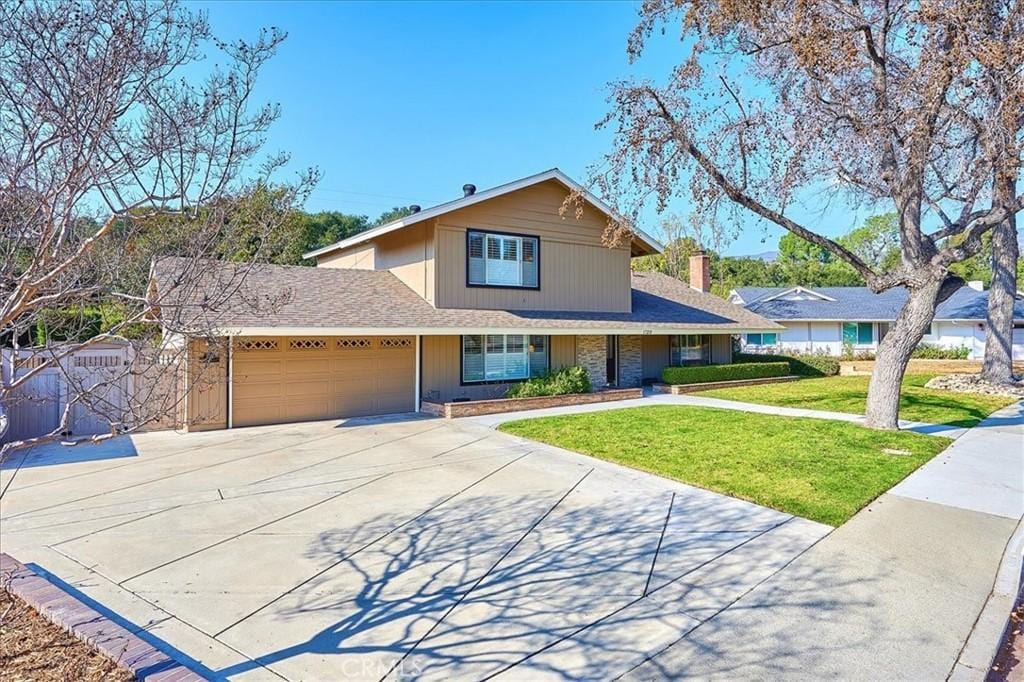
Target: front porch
(484,367)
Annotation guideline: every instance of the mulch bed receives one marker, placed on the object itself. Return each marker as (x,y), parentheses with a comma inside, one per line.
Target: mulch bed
(1009,663)
(33,648)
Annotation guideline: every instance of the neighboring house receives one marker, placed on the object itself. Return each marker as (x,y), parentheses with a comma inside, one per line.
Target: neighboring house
(458,302)
(831,320)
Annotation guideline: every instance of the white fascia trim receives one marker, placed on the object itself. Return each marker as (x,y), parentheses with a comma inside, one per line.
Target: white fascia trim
(802,290)
(456,204)
(462,331)
(862,319)
(735,298)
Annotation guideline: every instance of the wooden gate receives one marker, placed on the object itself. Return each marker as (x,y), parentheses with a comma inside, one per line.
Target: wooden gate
(35,408)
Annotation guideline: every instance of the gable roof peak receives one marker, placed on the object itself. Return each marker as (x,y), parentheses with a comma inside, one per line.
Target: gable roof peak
(799,290)
(483,195)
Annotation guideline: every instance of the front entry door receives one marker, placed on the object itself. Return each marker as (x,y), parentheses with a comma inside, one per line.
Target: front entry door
(612,359)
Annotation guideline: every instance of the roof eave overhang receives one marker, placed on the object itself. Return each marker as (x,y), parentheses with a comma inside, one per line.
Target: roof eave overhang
(648,245)
(457,331)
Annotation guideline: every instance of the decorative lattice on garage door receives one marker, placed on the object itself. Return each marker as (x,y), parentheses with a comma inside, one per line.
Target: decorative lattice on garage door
(307,344)
(250,345)
(354,343)
(395,342)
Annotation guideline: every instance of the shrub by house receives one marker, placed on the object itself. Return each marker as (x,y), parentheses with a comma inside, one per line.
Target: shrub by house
(800,365)
(736,372)
(562,382)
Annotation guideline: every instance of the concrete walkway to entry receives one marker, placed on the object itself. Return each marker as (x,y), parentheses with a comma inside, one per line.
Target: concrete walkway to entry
(495,420)
(899,591)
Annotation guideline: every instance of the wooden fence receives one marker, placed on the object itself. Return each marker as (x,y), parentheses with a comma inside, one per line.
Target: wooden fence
(100,371)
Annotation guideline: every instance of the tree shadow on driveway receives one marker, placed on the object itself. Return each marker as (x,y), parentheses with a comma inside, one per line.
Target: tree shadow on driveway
(488,584)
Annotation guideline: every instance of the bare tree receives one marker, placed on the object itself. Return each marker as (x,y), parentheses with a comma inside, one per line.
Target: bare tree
(114,148)
(873,102)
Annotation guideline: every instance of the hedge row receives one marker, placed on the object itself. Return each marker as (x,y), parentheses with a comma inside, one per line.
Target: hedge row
(565,381)
(926,351)
(701,374)
(800,365)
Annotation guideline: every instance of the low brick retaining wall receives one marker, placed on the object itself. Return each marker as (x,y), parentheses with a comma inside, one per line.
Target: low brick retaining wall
(66,611)
(475,408)
(679,389)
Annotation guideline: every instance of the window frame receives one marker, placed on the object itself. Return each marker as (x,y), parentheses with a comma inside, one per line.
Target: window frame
(857,328)
(706,352)
(762,342)
(483,349)
(497,233)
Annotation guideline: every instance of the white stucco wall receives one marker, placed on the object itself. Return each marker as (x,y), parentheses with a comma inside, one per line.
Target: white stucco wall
(815,337)
(827,337)
(956,335)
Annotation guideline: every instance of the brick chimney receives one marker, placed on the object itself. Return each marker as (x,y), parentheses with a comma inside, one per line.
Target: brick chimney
(700,272)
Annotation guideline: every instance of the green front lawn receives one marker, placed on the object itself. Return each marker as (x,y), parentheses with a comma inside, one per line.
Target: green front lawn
(849,394)
(818,469)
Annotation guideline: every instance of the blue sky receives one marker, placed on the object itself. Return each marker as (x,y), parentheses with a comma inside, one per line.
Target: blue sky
(400,103)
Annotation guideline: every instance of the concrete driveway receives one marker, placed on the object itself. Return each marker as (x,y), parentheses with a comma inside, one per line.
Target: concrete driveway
(374,548)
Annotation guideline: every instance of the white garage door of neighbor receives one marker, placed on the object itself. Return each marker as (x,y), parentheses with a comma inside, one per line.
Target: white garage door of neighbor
(289,379)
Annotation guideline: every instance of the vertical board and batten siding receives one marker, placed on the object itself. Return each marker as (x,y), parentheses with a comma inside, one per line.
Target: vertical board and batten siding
(408,254)
(721,349)
(577,271)
(441,367)
(290,379)
(360,257)
(656,349)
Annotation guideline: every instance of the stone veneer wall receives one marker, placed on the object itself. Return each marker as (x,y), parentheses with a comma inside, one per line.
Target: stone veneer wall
(591,354)
(631,366)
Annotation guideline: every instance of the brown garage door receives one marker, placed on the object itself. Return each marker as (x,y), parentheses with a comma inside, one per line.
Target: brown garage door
(289,379)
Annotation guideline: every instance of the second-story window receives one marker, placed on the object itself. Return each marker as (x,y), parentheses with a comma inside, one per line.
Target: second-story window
(502,260)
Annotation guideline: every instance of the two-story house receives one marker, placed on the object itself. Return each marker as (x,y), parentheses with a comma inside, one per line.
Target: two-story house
(458,302)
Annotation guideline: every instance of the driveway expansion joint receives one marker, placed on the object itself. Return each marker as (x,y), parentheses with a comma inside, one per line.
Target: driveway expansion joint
(347,557)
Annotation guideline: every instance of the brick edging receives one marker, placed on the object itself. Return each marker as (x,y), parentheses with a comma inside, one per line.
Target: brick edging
(677,389)
(476,408)
(66,611)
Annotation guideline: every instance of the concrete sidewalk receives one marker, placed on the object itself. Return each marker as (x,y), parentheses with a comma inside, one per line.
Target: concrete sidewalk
(495,420)
(892,594)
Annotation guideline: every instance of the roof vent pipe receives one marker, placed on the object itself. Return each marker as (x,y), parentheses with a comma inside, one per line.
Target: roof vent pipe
(415,208)
(468,190)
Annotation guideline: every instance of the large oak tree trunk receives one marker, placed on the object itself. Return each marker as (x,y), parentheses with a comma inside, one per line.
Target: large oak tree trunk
(883,406)
(998,365)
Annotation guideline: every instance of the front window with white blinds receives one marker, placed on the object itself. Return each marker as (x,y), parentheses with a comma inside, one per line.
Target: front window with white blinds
(503,357)
(502,260)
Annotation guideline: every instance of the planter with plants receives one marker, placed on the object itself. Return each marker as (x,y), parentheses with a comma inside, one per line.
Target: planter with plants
(567,386)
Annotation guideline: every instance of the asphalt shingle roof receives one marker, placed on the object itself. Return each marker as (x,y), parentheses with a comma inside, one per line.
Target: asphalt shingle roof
(860,303)
(266,296)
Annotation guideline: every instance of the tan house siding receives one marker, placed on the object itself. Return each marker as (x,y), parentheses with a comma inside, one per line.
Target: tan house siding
(721,349)
(656,355)
(408,254)
(577,271)
(359,257)
(441,367)
(563,351)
